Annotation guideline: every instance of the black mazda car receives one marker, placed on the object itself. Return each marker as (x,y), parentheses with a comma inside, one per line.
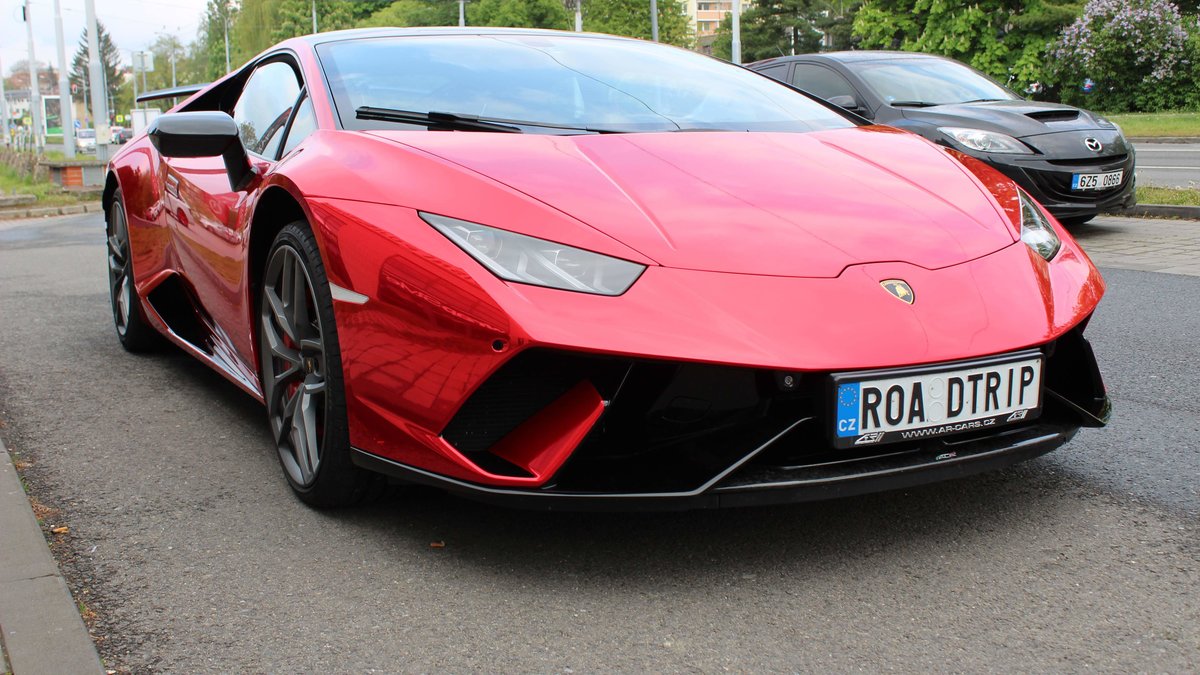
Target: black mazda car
(1073,161)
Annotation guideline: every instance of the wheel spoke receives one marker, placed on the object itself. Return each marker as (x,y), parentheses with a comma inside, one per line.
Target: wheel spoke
(299,298)
(280,314)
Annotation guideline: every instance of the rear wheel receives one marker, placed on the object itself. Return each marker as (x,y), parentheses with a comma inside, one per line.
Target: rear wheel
(301,370)
(132,330)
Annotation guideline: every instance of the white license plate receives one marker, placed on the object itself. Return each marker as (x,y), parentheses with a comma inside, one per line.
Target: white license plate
(1097,181)
(915,403)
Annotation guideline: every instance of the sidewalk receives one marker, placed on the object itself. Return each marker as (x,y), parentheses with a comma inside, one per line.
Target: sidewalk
(40,628)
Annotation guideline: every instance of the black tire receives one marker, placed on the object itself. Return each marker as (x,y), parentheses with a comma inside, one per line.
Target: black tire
(1076,220)
(301,369)
(132,330)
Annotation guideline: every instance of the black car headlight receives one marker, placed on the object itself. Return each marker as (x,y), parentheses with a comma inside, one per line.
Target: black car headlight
(986,141)
(528,260)
(1036,231)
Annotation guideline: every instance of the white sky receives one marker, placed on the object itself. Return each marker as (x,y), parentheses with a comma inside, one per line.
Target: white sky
(133,24)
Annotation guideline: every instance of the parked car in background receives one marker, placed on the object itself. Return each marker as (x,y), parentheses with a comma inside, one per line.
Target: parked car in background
(85,140)
(121,135)
(1075,162)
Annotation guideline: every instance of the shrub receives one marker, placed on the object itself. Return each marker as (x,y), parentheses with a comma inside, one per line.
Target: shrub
(1141,55)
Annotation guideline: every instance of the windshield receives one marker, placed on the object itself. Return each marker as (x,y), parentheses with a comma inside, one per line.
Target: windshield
(581,83)
(929,82)
(86,133)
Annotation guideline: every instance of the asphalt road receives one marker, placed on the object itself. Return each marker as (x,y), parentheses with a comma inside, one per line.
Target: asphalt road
(187,544)
(1174,165)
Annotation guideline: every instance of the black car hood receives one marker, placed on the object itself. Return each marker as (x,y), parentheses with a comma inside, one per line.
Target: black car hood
(1015,118)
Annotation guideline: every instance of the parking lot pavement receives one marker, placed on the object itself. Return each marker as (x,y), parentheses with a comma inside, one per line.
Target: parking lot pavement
(1142,244)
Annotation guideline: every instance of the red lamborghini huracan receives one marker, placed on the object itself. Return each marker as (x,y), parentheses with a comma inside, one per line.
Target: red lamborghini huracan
(572,270)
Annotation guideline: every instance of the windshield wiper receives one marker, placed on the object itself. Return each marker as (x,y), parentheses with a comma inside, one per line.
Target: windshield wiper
(446,121)
(913,104)
(433,120)
(982,100)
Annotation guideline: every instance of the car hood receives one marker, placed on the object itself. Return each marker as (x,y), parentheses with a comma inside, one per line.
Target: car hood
(782,204)
(1015,118)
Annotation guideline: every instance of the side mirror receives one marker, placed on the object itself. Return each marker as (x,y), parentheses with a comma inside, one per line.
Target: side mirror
(203,134)
(846,101)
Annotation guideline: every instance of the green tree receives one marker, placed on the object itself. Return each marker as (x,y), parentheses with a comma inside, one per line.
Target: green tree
(189,64)
(1007,39)
(519,13)
(110,69)
(217,16)
(775,28)
(632,18)
(414,13)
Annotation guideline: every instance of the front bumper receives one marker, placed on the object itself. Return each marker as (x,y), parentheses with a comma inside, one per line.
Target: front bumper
(679,436)
(1047,178)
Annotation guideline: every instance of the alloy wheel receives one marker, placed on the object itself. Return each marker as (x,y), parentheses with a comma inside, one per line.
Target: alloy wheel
(293,358)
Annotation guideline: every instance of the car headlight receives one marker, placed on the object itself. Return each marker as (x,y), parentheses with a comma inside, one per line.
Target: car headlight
(1036,231)
(986,141)
(528,260)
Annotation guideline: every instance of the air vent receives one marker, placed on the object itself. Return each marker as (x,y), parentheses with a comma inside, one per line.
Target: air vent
(1054,115)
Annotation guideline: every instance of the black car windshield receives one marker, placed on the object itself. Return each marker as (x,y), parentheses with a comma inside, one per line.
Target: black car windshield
(928,82)
(565,83)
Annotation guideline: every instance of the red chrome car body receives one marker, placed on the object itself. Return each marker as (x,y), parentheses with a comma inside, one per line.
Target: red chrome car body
(764,254)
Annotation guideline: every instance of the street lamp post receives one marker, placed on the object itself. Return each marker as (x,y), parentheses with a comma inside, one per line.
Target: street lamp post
(35,102)
(65,115)
(654,20)
(96,76)
(735,46)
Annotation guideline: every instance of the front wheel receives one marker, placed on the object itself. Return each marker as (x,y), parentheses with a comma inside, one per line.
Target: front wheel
(132,330)
(301,371)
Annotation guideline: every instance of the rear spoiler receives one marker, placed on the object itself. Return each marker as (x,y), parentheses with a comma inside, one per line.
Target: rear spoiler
(172,92)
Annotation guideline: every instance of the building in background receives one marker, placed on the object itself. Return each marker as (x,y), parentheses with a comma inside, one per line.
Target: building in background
(705,17)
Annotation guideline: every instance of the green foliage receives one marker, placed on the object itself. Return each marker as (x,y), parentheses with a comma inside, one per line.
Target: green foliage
(1142,55)
(1007,39)
(110,66)
(519,13)
(217,15)
(781,27)
(414,13)
(632,18)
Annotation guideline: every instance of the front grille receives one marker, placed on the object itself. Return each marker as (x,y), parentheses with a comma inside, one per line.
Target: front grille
(1058,185)
(1090,161)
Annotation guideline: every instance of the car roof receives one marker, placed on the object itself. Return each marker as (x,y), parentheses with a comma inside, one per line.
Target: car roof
(370,33)
(856,56)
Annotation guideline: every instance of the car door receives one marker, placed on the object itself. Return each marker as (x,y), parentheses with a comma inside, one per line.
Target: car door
(828,84)
(209,218)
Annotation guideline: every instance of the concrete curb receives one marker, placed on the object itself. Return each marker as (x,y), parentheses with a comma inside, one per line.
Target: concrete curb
(1160,211)
(40,627)
(1163,139)
(39,212)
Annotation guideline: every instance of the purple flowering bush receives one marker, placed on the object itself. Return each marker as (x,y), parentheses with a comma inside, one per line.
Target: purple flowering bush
(1141,54)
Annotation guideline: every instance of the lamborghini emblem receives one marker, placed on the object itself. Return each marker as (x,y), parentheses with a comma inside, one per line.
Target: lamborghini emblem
(898,288)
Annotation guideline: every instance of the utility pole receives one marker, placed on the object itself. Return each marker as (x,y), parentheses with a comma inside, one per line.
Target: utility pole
(35,98)
(314,12)
(654,20)
(66,114)
(462,12)
(172,66)
(4,110)
(226,17)
(96,77)
(736,45)
(578,16)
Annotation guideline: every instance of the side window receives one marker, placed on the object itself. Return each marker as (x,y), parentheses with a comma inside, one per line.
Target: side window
(778,72)
(821,81)
(304,124)
(265,105)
